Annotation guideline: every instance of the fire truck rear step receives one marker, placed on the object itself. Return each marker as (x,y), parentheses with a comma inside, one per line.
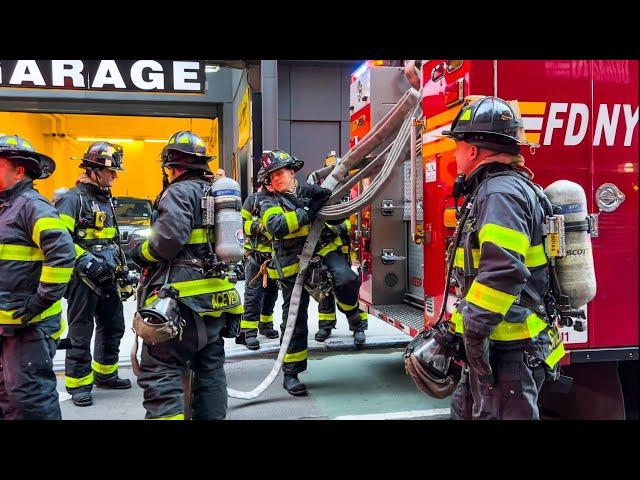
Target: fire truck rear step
(404,317)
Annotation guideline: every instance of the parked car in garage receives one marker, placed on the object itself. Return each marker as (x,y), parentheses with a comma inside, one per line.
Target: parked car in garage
(134,220)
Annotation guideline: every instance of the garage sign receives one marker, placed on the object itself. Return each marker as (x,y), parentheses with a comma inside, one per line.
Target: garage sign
(154,76)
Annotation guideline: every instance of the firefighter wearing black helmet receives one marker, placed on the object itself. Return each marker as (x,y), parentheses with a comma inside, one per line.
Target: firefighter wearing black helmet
(500,268)
(179,253)
(88,214)
(287,214)
(260,292)
(36,262)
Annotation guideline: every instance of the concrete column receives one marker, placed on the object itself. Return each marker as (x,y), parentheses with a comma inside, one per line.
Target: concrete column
(269,86)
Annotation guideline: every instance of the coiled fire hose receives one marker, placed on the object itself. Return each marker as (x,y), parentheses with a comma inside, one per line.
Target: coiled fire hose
(398,119)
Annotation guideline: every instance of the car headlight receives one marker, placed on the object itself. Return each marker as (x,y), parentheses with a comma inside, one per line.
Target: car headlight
(142,233)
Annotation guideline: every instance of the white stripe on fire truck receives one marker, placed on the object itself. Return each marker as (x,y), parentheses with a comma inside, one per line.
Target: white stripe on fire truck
(532,123)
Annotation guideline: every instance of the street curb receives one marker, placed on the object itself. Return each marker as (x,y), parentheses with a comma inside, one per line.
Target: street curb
(272,350)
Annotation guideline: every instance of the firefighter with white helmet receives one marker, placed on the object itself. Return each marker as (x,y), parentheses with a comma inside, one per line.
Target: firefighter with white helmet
(187,304)
(36,263)
(93,296)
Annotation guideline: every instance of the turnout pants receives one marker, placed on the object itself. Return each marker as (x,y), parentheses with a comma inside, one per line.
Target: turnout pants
(259,301)
(163,365)
(85,307)
(295,360)
(514,395)
(346,285)
(27,382)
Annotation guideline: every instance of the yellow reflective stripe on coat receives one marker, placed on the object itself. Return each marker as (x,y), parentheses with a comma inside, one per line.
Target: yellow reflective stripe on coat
(292,221)
(328,248)
(247,227)
(20,253)
(459,259)
(71,382)
(555,356)
(301,232)
(250,324)
(144,249)
(46,223)
(535,256)
(198,235)
(56,274)
(237,310)
(79,250)
(271,211)
(327,316)
(6,315)
(506,331)
(104,233)
(180,416)
(63,327)
(504,237)
(246,214)
(345,307)
(191,288)
(287,271)
(296,357)
(68,222)
(266,318)
(489,298)
(103,369)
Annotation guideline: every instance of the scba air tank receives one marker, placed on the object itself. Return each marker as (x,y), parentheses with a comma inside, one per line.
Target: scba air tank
(575,269)
(229,237)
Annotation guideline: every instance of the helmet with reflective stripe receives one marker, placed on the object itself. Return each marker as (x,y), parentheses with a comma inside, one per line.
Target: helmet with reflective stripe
(489,122)
(15,148)
(103,155)
(273,160)
(186,149)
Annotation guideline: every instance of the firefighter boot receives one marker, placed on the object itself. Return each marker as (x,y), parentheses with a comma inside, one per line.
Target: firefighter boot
(322,334)
(267,330)
(248,339)
(359,338)
(82,399)
(115,383)
(294,386)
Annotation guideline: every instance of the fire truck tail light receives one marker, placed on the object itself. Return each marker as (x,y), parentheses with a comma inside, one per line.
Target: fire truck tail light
(376,63)
(454,93)
(450,219)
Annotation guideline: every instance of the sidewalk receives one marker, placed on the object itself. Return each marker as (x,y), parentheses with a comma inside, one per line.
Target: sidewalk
(379,335)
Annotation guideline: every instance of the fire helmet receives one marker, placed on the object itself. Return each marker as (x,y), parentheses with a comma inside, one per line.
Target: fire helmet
(491,123)
(103,155)
(15,148)
(273,160)
(186,149)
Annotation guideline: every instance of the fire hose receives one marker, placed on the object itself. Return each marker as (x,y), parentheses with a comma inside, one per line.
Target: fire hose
(398,119)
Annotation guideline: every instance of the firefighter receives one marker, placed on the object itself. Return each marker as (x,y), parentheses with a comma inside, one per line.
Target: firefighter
(500,268)
(261,292)
(179,253)
(88,214)
(335,238)
(36,262)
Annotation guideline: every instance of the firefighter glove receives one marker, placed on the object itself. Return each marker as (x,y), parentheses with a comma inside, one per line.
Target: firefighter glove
(477,352)
(99,272)
(316,192)
(33,305)
(256,228)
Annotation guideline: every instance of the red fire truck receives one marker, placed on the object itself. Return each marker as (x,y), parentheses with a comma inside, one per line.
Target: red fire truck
(584,115)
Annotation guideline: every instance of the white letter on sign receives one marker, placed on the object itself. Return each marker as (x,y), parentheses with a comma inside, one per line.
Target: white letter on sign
(156,78)
(183,71)
(27,71)
(553,122)
(577,109)
(609,126)
(60,69)
(108,73)
(632,123)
